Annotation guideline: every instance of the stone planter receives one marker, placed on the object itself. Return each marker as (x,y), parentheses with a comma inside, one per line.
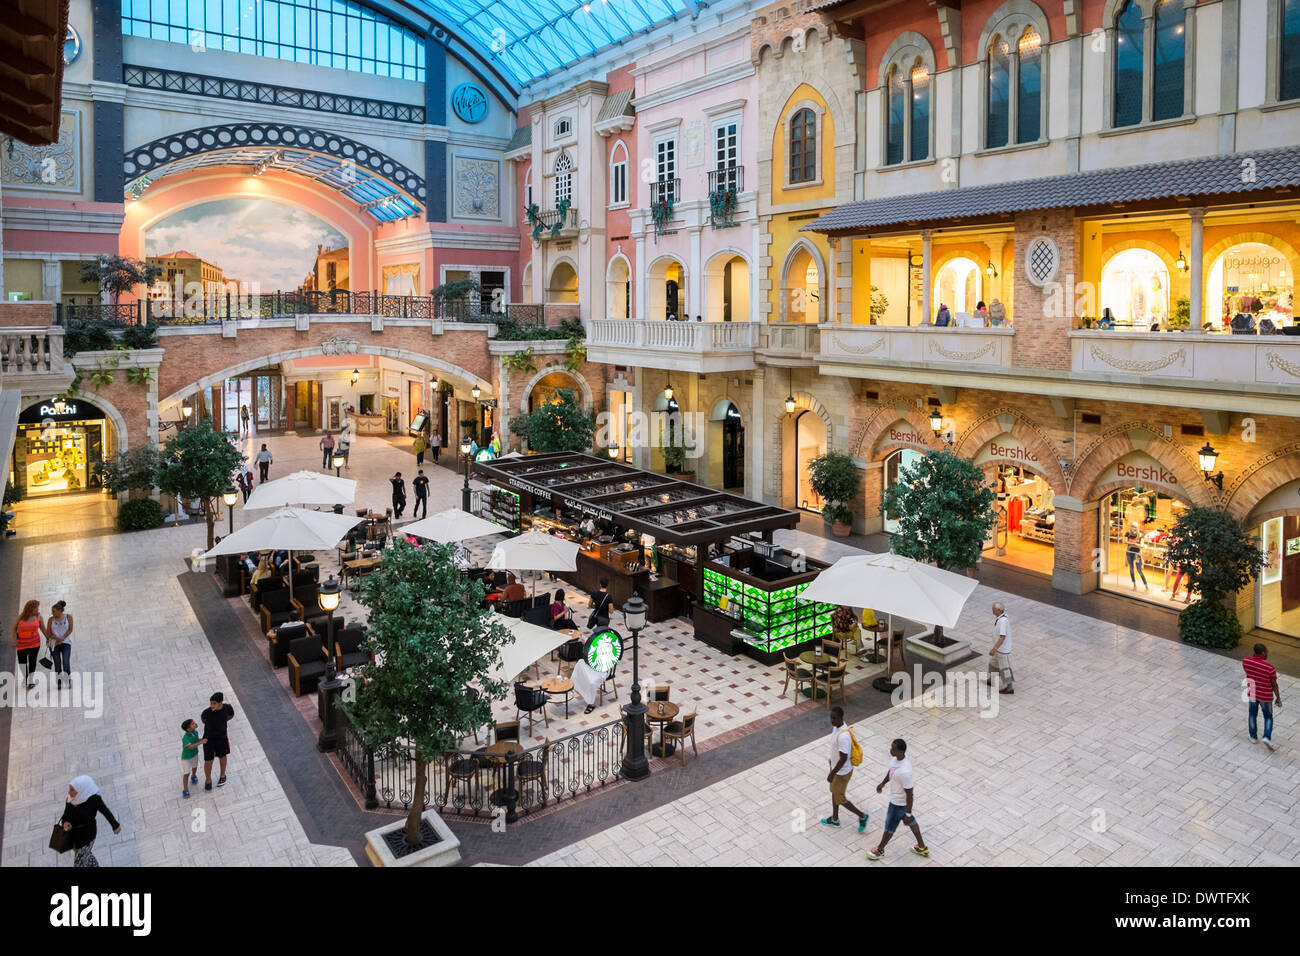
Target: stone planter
(923,647)
(841,530)
(685,476)
(446,852)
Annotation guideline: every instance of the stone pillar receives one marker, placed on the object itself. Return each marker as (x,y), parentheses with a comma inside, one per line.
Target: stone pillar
(994,290)
(754,431)
(290,405)
(873,488)
(218,408)
(639,280)
(1195,265)
(695,304)
(1077,560)
(927,314)
(1043,318)
(832,308)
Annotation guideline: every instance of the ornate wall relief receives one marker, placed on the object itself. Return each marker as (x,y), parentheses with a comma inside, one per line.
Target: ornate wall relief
(477,188)
(55,167)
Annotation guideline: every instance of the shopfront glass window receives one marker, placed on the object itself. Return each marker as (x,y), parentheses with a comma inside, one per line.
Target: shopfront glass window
(810,442)
(1167,100)
(1277,589)
(895,465)
(1289,50)
(999,95)
(1252,279)
(894,134)
(1128,65)
(1135,287)
(1136,526)
(1029,88)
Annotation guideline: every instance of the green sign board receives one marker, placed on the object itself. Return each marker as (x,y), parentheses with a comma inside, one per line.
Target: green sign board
(603,650)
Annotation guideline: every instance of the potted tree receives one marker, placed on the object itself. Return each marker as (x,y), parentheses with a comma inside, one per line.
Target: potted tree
(431,639)
(944,511)
(1220,559)
(198,462)
(834,477)
(561,425)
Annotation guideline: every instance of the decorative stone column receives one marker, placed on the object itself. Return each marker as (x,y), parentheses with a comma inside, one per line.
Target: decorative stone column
(1196,267)
(1077,563)
(927,314)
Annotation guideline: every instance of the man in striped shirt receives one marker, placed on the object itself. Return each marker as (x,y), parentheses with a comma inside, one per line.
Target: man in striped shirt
(1262,693)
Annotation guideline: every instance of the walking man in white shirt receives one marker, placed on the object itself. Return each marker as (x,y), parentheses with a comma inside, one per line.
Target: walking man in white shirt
(1001,652)
(899,778)
(841,771)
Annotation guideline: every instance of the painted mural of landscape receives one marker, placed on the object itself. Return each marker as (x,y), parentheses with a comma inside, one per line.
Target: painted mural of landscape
(266,245)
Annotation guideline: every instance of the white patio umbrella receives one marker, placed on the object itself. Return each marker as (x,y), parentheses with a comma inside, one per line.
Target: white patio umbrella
(532,643)
(303,488)
(535,551)
(896,585)
(452,525)
(289,529)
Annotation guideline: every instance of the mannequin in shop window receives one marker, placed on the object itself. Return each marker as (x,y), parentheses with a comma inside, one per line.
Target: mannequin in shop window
(1133,556)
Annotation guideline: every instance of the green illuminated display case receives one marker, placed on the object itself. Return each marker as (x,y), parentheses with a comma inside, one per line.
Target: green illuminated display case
(501,506)
(766,618)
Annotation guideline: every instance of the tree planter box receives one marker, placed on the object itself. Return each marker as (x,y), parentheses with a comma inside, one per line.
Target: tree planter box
(841,530)
(446,852)
(922,646)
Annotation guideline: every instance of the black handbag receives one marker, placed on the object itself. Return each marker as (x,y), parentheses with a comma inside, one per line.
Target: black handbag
(60,839)
(600,613)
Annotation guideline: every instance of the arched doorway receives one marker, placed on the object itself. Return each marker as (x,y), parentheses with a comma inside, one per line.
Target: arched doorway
(563,286)
(801,287)
(667,290)
(726,289)
(1135,287)
(958,285)
(545,391)
(896,464)
(526,287)
(726,447)
(618,288)
(1253,278)
(809,443)
(58,446)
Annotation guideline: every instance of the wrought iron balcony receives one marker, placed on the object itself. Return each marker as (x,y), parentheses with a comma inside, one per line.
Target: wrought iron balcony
(665,190)
(727,177)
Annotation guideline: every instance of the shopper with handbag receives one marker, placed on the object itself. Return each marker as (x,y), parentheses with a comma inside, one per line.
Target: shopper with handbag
(601,601)
(28,630)
(58,629)
(78,820)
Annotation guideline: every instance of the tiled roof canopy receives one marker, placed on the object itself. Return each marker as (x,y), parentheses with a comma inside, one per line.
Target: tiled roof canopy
(1212,176)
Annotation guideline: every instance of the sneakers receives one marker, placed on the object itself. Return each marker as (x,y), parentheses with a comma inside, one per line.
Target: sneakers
(1269,744)
(1006,690)
(208,785)
(185,794)
(830,821)
(921,850)
(194,778)
(874,854)
(1254,740)
(862,822)
(221,782)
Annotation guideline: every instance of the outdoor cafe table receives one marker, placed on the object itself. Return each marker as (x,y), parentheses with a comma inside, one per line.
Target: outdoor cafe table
(559,685)
(498,754)
(815,660)
(663,748)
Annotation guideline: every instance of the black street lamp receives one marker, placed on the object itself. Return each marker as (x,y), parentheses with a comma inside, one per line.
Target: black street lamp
(328,598)
(338,461)
(230,496)
(465,446)
(186,410)
(636,765)
(1208,456)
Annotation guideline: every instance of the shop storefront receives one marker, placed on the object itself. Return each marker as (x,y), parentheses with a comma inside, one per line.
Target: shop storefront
(58,446)
(1252,279)
(1277,587)
(1024,534)
(896,463)
(1134,531)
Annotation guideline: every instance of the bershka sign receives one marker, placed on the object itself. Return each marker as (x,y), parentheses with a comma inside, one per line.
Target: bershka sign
(904,434)
(1139,468)
(1005,448)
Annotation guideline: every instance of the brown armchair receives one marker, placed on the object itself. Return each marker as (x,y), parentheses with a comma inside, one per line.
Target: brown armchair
(282,637)
(834,680)
(307,664)
(277,608)
(793,672)
(679,731)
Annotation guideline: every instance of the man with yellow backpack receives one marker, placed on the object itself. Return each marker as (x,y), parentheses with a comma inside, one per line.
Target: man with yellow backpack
(845,755)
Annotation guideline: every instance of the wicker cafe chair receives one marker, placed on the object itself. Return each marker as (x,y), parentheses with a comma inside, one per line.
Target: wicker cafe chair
(570,653)
(834,679)
(649,734)
(796,673)
(460,769)
(507,730)
(529,700)
(531,769)
(612,683)
(678,731)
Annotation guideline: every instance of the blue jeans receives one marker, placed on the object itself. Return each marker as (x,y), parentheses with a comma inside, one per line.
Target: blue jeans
(894,816)
(1255,706)
(62,654)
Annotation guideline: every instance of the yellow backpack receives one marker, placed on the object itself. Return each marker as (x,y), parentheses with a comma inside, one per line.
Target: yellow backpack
(855,750)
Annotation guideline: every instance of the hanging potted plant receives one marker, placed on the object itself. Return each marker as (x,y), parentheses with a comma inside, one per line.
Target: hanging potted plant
(661,212)
(834,478)
(562,214)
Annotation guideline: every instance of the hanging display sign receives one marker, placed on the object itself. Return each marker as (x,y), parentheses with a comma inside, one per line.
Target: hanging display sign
(603,649)
(1141,470)
(69,410)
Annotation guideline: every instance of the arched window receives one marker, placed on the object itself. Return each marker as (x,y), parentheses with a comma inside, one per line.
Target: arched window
(897,95)
(1289,48)
(999,95)
(1129,40)
(563,178)
(803,146)
(618,175)
(1170,57)
(1029,87)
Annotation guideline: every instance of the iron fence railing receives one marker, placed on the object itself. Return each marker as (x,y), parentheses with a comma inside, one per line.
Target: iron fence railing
(474,783)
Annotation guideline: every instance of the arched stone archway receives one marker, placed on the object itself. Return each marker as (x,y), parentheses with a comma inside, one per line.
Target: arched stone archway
(876,432)
(666,285)
(793,276)
(727,276)
(1006,421)
(1262,478)
(1119,441)
(556,368)
(562,284)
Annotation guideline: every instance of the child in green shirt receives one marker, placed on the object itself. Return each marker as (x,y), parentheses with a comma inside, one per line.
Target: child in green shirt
(189,755)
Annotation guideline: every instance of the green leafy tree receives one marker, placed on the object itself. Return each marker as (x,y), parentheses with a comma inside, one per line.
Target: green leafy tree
(1220,559)
(198,462)
(134,470)
(116,275)
(561,425)
(834,477)
(431,639)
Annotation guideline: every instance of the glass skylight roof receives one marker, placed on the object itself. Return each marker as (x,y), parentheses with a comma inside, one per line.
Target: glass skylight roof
(526,39)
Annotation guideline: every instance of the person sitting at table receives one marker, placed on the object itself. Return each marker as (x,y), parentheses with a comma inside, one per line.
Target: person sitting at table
(263,571)
(248,562)
(560,617)
(514,591)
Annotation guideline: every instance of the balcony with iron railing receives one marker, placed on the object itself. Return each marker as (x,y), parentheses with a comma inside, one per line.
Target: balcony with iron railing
(725,186)
(555,224)
(701,347)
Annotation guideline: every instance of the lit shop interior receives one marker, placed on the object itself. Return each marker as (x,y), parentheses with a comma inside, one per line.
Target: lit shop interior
(686,549)
(1134,535)
(1024,534)
(1277,589)
(58,445)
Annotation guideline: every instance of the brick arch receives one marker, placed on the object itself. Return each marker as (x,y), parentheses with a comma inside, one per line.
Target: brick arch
(546,370)
(1115,443)
(1208,256)
(987,427)
(806,401)
(874,430)
(1160,250)
(1262,478)
(443,367)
